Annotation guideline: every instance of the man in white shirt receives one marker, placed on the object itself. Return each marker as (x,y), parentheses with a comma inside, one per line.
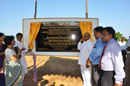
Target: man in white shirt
(122,44)
(127,65)
(85,46)
(18,43)
(111,60)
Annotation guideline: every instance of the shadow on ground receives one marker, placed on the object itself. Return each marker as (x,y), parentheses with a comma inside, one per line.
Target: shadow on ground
(55,71)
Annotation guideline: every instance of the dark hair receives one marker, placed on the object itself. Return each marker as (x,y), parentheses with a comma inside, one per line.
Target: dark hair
(99,29)
(110,30)
(115,38)
(123,37)
(19,34)
(8,40)
(1,34)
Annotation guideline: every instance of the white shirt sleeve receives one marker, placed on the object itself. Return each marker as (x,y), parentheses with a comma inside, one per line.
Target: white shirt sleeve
(79,46)
(90,48)
(119,65)
(24,51)
(20,46)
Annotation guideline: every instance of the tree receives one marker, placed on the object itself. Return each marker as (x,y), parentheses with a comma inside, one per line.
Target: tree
(118,36)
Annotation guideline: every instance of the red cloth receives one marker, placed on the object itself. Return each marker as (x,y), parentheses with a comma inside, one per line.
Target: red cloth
(101,57)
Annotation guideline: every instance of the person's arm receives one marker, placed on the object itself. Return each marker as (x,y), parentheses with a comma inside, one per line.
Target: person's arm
(96,52)
(88,62)
(119,65)
(29,50)
(90,58)
(79,44)
(117,84)
(93,54)
(26,50)
(22,49)
(15,57)
(90,48)
(2,53)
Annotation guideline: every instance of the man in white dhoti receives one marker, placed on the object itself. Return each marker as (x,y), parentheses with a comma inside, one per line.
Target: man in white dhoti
(85,46)
(18,43)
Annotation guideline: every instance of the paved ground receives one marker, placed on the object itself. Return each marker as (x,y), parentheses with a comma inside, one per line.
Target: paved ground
(54,71)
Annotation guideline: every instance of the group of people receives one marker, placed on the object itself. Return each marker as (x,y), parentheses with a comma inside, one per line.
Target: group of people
(102,62)
(104,59)
(13,66)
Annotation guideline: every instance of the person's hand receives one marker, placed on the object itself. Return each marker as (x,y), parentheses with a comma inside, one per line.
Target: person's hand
(1,71)
(117,84)
(29,50)
(2,53)
(23,49)
(81,40)
(88,63)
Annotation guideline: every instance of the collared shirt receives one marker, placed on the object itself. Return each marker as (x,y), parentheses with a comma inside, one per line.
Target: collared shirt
(20,46)
(97,51)
(85,50)
(128,45)
(112,60)
(122,45)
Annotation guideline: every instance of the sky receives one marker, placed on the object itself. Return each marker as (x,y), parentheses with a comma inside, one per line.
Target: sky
(114,13)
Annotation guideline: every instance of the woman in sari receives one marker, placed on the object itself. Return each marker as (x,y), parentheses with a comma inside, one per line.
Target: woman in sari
(13,67)
(2,56)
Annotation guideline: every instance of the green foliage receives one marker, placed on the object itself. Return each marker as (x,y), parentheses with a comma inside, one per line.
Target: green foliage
(126,39)
(5,35)
(118,36)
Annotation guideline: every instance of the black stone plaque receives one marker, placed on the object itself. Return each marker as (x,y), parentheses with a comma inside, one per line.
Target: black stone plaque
(58,36)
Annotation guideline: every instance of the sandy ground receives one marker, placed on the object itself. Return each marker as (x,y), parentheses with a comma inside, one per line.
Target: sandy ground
(54,71)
